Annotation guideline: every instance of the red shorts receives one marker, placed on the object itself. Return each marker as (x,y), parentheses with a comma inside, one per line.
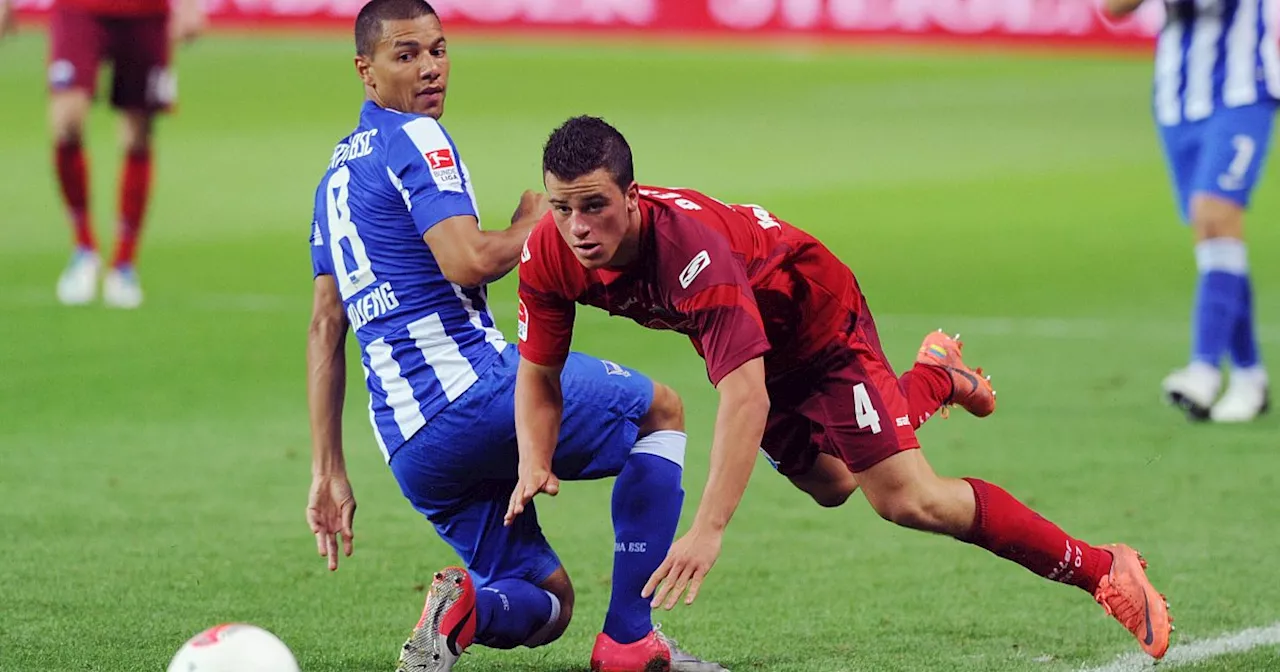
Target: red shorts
(847,403)
(138,48)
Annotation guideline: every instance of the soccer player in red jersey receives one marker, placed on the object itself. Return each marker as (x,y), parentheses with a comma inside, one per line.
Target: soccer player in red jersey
(791,346)
(136,37)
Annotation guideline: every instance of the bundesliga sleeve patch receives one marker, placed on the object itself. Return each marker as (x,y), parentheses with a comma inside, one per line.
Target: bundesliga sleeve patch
(434,146)
(444,169)
(522,322)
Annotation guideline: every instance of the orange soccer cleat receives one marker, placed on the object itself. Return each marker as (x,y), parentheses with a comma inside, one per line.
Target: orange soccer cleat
(970,389)
(1128,596)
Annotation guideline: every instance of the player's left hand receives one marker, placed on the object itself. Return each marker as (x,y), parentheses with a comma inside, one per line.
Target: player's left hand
(331,511)
(687,563)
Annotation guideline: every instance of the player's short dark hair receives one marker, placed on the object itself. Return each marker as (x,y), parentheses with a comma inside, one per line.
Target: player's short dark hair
(369,20)
(584,144)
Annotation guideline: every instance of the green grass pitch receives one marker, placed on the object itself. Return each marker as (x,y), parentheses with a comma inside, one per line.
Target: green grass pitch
(154,464)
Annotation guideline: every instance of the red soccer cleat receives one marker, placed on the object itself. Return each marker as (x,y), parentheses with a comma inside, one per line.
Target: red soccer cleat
(447,626)
(1128,596)
(970,389)
(654,653)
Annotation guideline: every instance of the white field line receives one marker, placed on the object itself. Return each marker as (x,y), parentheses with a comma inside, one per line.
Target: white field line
(1197,651)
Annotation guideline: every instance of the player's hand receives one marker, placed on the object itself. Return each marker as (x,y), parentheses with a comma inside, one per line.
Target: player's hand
(7,23)
(331,510)
(532,204)
(186,26)
(532,481)
(687,563)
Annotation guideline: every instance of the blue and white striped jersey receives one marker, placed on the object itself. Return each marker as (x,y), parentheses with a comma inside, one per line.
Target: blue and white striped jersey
(1213,54)
(423,340)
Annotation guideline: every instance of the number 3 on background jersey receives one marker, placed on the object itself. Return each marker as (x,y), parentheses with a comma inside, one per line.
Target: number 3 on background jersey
(341,228)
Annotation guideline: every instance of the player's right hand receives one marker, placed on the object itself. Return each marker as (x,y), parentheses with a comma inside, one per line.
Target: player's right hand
(331,511)
(532,481)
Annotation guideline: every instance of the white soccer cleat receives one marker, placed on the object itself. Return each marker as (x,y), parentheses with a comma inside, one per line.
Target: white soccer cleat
(1193,389)
(121,289)
(78,283)
(1245,399)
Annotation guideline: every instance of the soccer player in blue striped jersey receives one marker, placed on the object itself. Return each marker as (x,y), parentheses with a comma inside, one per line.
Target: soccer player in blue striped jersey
(1217,81)
(399,258)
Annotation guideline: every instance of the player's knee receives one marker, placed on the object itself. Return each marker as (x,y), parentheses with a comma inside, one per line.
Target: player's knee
(68,128)
(666,412)
(561,624)
(1216,217)
(912,508)
(559,586)
(136,131)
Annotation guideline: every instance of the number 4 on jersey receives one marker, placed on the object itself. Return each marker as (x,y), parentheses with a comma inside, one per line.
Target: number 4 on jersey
(863,410)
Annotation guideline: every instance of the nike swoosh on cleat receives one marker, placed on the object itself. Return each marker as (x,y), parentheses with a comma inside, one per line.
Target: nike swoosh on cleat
(1146,615)
(973,380)
(456,632)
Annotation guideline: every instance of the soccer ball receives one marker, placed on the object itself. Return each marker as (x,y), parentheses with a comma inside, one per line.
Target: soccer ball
(234,647)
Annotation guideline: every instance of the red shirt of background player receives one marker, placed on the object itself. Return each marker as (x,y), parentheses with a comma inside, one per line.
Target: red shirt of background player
(737,281)
(131,8)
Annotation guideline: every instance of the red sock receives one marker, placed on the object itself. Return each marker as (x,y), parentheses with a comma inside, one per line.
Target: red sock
(73,178)
(1006,527)
(927,388)
(135,183)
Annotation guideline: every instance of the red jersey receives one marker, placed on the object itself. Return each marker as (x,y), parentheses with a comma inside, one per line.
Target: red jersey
(118,8)
(739,282)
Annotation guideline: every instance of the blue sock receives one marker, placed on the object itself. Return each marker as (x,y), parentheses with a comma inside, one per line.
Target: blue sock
(1219,297)
(647,497)
(511,612)
(1244,339)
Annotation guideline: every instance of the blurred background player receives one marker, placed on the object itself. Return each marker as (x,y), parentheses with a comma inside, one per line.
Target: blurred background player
(400,259)
(136,37)
(792,349)
(1217,81)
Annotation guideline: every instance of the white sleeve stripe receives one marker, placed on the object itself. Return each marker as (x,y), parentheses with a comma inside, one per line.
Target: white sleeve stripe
(430,140)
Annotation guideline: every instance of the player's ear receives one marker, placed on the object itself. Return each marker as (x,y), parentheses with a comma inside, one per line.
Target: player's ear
(364,70)
(633,196)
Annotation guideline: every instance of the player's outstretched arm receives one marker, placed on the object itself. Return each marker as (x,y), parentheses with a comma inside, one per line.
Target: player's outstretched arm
(539,407)
(740,420)
(469,256)
(1122,8)
(331,506)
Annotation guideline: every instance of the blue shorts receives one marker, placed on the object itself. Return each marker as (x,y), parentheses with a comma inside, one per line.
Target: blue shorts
(1221,155)
(460,469)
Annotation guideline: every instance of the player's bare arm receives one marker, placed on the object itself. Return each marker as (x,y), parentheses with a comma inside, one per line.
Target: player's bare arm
(539,406)
(470,256)
(331,506)
(1121,8)
(740,421)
